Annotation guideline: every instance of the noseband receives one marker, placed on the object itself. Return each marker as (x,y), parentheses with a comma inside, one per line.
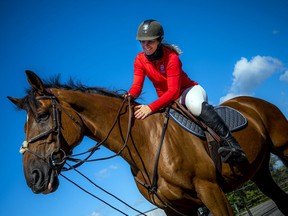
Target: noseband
(56,128)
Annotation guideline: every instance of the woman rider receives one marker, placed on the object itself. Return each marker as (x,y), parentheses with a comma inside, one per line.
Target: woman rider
(160,63)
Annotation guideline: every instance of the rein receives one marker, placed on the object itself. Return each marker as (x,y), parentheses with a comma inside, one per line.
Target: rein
(92,150)
(96,147)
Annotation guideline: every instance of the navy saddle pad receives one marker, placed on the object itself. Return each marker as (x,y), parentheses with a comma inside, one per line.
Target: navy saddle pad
(233,119)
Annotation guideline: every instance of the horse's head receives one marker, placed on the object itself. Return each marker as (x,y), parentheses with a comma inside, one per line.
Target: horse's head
(52,130)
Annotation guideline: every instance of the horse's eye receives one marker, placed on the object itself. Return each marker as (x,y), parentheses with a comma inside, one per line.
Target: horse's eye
(43,116)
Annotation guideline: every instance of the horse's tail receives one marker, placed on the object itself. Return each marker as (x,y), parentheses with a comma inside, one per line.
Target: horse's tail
(284,159)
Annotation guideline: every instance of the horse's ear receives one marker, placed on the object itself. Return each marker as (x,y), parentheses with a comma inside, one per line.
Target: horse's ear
(16,101)
(35,82)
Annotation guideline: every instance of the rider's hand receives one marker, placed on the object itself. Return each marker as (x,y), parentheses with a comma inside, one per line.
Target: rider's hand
(142,111)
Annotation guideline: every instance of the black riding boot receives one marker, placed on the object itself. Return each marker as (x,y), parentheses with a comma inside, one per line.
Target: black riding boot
(230,150)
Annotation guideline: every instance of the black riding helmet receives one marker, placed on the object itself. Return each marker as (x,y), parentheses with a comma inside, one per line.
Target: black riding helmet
(150,30)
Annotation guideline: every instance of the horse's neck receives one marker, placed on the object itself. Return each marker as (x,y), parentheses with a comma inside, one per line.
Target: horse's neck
(98,114)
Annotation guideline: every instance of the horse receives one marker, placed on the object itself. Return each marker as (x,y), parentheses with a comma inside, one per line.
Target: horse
(59,116)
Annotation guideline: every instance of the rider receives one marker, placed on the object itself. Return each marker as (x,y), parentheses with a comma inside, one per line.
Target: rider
(160,63)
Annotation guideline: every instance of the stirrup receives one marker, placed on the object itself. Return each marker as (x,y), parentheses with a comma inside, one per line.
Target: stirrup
(231,155)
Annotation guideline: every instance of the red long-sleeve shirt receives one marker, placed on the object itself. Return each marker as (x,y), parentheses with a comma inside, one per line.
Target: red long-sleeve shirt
(166,75)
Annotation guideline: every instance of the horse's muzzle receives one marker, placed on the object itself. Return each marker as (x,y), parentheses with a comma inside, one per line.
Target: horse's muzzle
(43,182)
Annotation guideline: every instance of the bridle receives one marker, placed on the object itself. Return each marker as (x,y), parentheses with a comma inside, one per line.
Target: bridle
(56,128)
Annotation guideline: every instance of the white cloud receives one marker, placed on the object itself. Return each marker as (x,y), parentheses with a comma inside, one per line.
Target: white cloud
(284,76)
(95,214)
(104,173)
(248,75)
(275,32)
(228,96)
(139,202)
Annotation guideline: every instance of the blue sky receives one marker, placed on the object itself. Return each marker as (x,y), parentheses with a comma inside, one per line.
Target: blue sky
(230,47)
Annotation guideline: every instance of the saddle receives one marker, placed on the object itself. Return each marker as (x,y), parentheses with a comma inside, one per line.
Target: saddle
(233,119)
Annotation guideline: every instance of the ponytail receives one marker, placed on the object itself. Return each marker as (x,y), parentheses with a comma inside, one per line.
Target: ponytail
(173,47)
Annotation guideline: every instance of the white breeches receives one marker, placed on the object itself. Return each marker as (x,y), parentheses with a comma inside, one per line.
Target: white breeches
(193,98)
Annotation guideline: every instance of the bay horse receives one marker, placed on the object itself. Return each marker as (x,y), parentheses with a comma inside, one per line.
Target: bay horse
(59,116)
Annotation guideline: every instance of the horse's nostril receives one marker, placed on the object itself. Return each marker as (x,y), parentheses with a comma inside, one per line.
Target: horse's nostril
(36,176)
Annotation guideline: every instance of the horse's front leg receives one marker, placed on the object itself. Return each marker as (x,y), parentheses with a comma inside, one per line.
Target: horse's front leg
(213,198)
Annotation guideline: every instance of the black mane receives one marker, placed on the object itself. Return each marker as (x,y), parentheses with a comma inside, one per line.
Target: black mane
(29,100)
(54,82)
